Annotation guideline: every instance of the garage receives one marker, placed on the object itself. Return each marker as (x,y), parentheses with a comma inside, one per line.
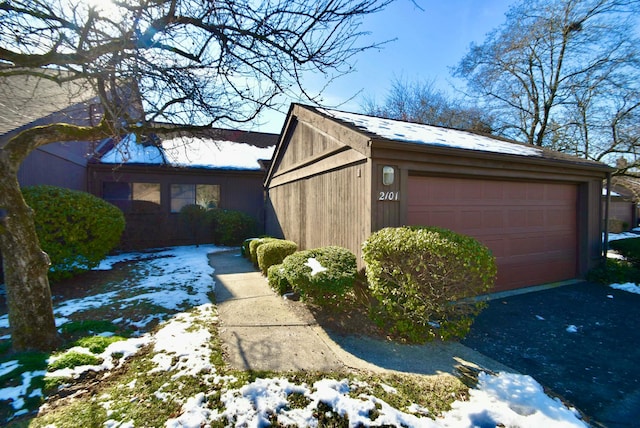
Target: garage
(336,177)
(530,227)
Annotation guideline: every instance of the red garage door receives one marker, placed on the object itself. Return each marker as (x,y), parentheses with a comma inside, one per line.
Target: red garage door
(529,227)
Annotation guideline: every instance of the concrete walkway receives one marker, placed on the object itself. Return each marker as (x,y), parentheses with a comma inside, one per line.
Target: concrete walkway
(262,331)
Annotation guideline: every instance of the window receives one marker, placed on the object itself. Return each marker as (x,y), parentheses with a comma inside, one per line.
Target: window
(205,195)
(132,196)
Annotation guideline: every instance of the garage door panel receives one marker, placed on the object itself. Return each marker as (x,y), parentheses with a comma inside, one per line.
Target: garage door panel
(529,227)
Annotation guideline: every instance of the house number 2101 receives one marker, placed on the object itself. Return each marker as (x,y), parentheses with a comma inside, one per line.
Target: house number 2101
(389,196)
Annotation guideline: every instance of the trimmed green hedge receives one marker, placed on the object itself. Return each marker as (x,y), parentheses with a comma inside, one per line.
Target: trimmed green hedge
(253,248)
(424,279)
(277,279)
(629,249)
(322,274)
(76,229)
(196,219)
(222,227)
(273,253)
(231,228)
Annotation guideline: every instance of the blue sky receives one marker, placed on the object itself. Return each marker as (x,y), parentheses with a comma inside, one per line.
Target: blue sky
(430,38)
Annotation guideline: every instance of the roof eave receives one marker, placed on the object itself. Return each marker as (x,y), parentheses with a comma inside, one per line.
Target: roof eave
(378,143)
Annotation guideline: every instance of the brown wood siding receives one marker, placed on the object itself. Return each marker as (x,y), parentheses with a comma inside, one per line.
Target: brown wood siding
(531,227)
(307,144)
(326,209)
(622,210)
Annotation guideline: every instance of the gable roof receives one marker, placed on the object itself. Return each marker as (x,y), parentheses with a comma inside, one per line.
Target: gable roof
(407,132)
(25,99)
(223,149)
(396,131)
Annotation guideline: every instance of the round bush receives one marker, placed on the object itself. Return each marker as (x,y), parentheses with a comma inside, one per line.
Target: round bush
(75,228)
(194,217)
(322,274)
(274,252)
(253,248)
(231,227)
(424,279)
(277,279)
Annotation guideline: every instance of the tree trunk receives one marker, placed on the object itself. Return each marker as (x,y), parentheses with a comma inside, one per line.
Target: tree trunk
(25,271)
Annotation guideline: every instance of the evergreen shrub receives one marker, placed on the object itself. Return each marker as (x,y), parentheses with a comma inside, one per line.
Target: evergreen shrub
(253,248)
(424,280)
(76,229)
(629,249)
(274,252)
(277,279)
(195,219)
(321,275)
(244,249)
(230,227)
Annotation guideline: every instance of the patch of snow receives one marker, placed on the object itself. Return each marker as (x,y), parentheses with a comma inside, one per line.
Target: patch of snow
(315,266)
(123,349)
(183,346)
(510,400)
(190,152)
(623,235)
(388,388)
(431,135)
(628,286)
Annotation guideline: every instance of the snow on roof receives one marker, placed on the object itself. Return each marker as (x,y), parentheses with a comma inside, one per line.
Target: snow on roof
(189,152)
(431,135)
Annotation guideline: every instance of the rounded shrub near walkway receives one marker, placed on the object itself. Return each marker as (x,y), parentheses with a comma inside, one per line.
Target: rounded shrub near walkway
(76,229)
(424,280)
(321,275)
(274,252)
(277,279)
(253,247)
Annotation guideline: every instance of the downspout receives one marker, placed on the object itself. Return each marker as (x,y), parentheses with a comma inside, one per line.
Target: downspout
(605,241)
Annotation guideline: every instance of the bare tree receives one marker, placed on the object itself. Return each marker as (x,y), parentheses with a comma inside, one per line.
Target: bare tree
(422,102)
(189,63)
(558,73)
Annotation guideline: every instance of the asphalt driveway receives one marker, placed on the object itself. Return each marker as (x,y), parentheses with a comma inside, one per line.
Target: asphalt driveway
(581,341)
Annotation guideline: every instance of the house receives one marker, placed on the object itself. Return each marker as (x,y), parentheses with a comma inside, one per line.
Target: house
(153,179)
(224,163)
(623,206)
(336,177)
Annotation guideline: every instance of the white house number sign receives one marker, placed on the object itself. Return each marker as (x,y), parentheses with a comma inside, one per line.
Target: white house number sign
(389,196)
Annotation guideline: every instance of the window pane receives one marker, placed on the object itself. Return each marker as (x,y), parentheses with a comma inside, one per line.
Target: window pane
(117,193)
(208,195)
(181,195)
(149,192)
(146,196)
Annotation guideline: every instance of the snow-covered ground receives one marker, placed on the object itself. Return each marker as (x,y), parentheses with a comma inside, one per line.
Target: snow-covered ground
(178,279)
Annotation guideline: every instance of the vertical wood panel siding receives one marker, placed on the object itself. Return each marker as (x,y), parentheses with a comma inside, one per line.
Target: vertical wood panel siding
(326,209)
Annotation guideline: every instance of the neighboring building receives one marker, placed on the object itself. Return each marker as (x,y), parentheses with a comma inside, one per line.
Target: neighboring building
(337,177)
(152,181)
(623,207)
(29,101)
(225,163)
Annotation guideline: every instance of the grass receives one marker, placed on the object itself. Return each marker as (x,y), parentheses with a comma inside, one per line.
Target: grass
(133,393)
